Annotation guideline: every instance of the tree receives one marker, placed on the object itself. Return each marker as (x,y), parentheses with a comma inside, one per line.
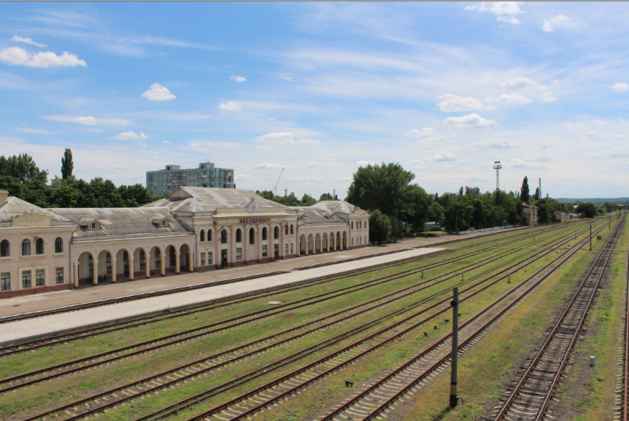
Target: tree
(326,196)
(379,227)
(21,177)
(308,200)
(524,191)
(382,187)
(588,210)
(536,195)
(67,165)
(396,227)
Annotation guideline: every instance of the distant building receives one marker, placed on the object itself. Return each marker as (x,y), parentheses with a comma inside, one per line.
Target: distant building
(166,181)
(530,212)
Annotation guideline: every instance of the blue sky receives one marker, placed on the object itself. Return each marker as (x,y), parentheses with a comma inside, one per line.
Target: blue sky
(320,89)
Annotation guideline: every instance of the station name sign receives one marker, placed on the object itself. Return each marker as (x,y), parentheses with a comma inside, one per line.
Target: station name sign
(254,220)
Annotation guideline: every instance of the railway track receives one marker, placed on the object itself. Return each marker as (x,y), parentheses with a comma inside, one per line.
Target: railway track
(621,405)
(198,370)
(530,397)
(248,404)
(256,347)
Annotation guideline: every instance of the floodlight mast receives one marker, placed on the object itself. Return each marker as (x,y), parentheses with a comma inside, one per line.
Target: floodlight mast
(497,167)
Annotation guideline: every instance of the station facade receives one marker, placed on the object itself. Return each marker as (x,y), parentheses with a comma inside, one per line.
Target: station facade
(192,229)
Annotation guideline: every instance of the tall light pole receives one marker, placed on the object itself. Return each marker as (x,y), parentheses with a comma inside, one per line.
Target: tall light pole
(497,167)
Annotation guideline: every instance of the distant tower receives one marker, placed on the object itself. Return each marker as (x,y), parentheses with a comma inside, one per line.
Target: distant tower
(497,167)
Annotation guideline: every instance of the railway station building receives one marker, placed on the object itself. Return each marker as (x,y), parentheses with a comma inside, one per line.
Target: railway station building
(192,229)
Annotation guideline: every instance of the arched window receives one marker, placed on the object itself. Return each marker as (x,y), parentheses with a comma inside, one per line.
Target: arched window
(5,248)
(352,224)
(224,236)
(276,232)
(285,230)
(209,235)
(26,247)
(202,235)
(58,245)
(252,236)
(239,235)
(291,229)
(39,246)
(264,234)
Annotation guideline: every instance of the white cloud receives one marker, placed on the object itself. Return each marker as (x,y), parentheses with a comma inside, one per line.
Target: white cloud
(88,120)
(215,145)
(620,87)
(229,106)
(559,21)
(287,78)
(506,99)
(470,120)
(238,79)
(20,57)
(268,165)
(158,92)
(504,10)
(444,157)
(493,144)
(33,131)
(365,163)
(17,38)
(520,89)
(130,136)
(278,138)
(453,103)
(428,136)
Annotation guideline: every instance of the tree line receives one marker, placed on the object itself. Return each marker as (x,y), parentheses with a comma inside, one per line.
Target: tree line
(21,177)
(397,205)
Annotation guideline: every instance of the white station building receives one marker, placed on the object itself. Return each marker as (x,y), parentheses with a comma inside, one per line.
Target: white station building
(192,229)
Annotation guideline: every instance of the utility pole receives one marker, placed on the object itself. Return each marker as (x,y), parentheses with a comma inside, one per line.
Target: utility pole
(455,347)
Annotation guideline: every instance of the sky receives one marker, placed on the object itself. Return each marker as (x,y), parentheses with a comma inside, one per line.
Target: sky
(299,95)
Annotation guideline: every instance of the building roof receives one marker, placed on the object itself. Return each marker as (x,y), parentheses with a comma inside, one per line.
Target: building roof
(207,199)
(119,222)
(336,206)
(311,215)
(17,207)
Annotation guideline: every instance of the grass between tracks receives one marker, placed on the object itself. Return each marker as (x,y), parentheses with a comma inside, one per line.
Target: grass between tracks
(587,393)
(486,369)
(66,389)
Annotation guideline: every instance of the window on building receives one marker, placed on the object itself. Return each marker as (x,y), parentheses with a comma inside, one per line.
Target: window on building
(264,234)
(202,236)
(5,281)
(108,263)
(158,258)
(59,275)
(209,235)
(239,253)
(292,248)
(5,248)
(285,248)
(209,258)
(202,259)
(26,279)
(291,229)
(264,251)
(90,264)
(252,236)
(285,230)
(58,245)
(238,236)
(224,237)
(40,275)
(26,247)
(39,246)
(142,260)
(352,224)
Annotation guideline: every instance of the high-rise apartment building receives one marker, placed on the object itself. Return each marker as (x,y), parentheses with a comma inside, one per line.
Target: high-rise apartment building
(166,181)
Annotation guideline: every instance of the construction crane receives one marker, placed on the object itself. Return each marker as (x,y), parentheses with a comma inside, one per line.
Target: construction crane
(278,182)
